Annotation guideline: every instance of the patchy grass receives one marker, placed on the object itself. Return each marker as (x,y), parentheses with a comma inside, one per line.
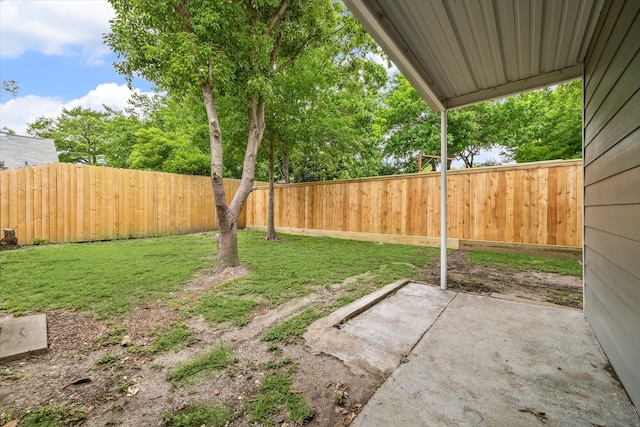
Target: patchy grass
(517,262)
(109,278)
(105,277)
(569,299)
(53,416)
(224,308)
(218,358)
(176,337)
(275,395)
(277,363)
(210,415)
(124,383)
(6,374)
(109,360)
(352,293)
(288,330)
(298,265)
(112,337)
(6,417)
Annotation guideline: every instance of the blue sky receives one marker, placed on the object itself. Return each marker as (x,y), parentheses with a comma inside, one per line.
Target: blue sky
(54,50)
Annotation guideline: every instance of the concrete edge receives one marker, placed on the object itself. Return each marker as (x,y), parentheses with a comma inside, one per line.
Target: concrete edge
(352,310)
(528,301)
(34,352)
(325,332)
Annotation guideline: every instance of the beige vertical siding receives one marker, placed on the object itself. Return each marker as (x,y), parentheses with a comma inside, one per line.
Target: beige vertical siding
(612,188)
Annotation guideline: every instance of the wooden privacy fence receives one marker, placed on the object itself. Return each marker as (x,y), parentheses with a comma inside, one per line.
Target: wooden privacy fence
(65,202)
(536,203)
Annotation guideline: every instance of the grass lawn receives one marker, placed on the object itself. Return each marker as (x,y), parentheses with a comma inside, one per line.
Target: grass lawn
(104,277)
(516,262)
(109,278)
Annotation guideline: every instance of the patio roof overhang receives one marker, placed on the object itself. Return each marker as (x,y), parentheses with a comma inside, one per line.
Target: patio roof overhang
(461,52)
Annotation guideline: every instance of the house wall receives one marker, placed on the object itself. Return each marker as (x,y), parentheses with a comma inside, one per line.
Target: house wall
(19,151)
(612,188)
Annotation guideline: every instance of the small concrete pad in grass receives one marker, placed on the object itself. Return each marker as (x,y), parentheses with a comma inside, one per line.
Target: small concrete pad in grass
(376,332)
(22,336)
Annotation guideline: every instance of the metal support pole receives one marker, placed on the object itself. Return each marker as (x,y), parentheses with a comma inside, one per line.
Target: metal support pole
(443,200)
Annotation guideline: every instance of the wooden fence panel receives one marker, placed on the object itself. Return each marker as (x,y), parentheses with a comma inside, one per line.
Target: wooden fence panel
(65,202)
(536,203)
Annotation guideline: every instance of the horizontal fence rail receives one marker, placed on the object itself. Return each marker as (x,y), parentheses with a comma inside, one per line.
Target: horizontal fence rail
(536,203)
(65,202)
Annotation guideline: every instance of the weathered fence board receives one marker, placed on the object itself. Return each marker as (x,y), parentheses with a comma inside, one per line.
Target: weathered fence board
(535,203)
(73,203)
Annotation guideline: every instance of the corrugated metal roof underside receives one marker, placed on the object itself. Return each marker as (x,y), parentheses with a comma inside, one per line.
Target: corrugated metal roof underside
(460,52)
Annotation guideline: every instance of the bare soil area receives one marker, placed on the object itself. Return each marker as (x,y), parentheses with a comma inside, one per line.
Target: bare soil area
(134,391)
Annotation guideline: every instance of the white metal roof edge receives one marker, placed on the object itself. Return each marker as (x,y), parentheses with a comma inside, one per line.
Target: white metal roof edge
(512,88)
(383,33)
(395,53)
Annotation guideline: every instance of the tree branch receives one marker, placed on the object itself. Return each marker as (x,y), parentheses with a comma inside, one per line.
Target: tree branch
(276,48)
(182,10)
(303,47)
(278,17)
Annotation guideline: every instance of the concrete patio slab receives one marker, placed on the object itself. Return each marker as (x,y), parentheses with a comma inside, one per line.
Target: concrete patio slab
(375,333)
(23,336)
(488,362)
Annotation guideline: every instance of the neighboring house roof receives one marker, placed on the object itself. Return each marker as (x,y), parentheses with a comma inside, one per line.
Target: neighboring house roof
(19,151)
(457,53)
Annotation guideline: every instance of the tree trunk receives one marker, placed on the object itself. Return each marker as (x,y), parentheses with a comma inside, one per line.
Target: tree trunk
(228,214)
(285,167)
(271,228)
(227,242)
(9,238)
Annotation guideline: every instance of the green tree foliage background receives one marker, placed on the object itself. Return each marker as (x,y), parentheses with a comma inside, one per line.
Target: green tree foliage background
(325,126)
(334,113)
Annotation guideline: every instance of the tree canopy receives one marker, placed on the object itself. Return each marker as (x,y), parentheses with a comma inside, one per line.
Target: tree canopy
(411,128)
(222,49)
(80,134)
(11,87)
(544,124)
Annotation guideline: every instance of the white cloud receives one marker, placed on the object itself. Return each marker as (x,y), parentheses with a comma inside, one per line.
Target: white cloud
(16,113)
(110,94)
(55,27)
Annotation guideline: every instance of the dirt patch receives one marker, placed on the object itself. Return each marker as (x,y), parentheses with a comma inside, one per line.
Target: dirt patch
(128,387)
(531,285)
